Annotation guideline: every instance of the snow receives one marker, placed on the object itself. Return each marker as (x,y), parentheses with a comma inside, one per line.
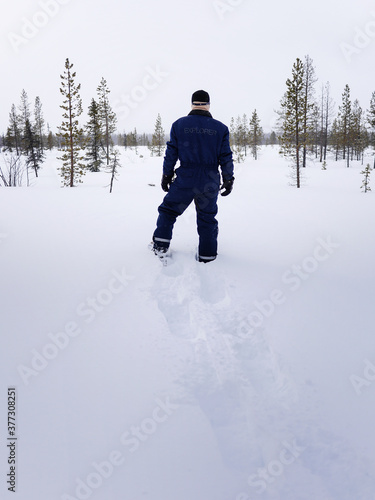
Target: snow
(249,377)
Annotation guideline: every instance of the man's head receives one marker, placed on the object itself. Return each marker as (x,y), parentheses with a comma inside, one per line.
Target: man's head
(200,100)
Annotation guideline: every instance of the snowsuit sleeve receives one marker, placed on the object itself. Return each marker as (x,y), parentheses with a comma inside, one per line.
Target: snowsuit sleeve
(225,157)
(171,154)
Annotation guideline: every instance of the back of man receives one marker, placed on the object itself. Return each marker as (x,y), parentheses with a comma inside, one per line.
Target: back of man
(201,144)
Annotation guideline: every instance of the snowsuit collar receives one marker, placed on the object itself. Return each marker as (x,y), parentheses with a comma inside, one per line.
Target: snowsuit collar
(200,112)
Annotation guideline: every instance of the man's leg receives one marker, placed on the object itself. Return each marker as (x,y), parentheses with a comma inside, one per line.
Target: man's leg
(206,205)
(174,204)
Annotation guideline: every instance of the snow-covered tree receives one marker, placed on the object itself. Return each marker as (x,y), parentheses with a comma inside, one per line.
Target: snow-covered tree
(70,131)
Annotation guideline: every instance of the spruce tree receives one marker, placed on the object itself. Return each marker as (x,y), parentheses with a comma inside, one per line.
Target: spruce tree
(158,138)
(107,117)
(366,180)
(255,134)
(94,138)
(70,131)
(292,117)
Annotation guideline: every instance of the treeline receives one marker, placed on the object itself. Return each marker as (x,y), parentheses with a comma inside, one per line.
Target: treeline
(88,147)
(308,125)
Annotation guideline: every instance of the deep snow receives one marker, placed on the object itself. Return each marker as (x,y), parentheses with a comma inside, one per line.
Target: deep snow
(249,377)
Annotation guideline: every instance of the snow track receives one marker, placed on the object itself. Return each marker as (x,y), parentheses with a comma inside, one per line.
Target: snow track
(255,409)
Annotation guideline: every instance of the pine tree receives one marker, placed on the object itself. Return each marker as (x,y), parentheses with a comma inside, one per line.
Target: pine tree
(255,134)
(358,135)
(246,133)
(292,116)
(366,180)
(50,140)
(113,167)
(13,136)
(107,117)
(326,115)
(94,137)
(24,116)
(335,137)
(273,138)
(132,140)
(345,114)
(35,154)
(371,120)
(238,139)
(158,138)
(39,123)
(70,131)
(309,80)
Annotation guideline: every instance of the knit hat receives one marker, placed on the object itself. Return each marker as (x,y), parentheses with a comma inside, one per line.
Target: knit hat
(200,96)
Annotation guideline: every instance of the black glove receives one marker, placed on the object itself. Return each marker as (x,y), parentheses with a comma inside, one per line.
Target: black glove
(228,186)
(166,182)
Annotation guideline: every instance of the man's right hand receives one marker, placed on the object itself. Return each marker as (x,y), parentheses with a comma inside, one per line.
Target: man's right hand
(166,182)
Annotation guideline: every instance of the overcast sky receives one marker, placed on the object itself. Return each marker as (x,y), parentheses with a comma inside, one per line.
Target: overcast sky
(155,54)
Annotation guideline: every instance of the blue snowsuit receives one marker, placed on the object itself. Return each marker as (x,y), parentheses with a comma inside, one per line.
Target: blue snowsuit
(201,144)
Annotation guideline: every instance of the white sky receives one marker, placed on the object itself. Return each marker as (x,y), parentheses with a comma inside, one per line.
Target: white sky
(240,51)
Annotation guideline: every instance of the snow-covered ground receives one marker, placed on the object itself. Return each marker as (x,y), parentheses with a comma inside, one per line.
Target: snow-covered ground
(249,377)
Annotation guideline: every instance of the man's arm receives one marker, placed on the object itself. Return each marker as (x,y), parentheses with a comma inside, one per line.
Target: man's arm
(171,154)
(225,158)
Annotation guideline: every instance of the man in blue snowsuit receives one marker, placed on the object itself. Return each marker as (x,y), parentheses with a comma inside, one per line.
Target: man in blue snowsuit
(201,144)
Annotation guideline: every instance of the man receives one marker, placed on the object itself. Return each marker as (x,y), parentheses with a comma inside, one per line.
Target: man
(201,144)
